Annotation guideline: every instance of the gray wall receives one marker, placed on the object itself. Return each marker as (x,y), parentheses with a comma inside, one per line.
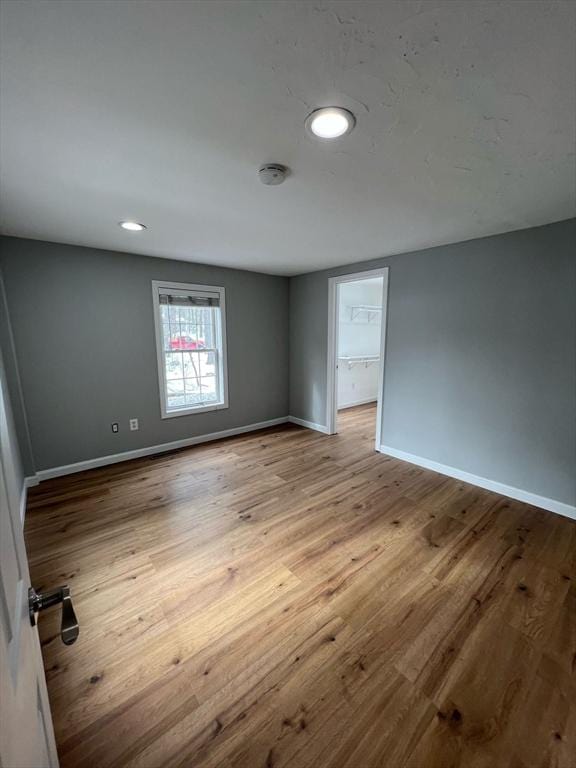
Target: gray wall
(480,360)
(83,327)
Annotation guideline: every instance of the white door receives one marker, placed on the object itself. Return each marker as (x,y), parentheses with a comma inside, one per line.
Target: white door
(26,733)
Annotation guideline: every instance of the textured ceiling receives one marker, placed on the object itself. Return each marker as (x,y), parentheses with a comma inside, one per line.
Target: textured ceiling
(163,111)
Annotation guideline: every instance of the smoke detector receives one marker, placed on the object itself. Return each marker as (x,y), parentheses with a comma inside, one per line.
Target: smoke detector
(272,174)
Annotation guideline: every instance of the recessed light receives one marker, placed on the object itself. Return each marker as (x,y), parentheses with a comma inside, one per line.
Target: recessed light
(330,122)
(132,226)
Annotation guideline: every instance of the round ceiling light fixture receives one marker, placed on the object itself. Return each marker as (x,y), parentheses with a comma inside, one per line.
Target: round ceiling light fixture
(132,226)
(330,122)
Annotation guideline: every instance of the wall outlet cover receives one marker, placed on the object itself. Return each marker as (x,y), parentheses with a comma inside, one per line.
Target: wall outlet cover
(134,425)
(115,427)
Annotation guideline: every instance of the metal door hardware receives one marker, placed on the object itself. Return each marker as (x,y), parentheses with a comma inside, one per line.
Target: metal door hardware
(39,601)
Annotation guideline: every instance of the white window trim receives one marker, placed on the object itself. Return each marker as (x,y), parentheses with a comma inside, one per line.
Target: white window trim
(188,287)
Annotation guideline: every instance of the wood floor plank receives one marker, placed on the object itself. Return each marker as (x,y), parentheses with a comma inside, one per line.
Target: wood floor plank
(284,599)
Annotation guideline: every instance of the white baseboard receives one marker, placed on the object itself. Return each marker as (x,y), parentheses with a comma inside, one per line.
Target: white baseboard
(308,424)
(358,402)
(491,485)
(115,458)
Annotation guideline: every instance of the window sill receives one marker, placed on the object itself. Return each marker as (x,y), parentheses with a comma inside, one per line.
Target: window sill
(190,411)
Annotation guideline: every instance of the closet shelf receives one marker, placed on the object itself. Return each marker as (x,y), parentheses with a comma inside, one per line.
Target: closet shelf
(352,360)
(371,312)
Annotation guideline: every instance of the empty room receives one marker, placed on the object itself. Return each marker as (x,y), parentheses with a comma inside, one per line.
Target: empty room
(288,384)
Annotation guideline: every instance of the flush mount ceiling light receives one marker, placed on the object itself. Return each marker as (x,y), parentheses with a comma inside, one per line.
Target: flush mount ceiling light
(330,122)
(132,226)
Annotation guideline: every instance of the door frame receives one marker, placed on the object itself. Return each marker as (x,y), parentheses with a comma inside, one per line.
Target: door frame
(332,361)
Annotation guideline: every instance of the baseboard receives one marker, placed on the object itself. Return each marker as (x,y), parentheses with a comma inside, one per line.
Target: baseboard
(31,481)
(308,424)
(357,402)
(490,485)
(116,458)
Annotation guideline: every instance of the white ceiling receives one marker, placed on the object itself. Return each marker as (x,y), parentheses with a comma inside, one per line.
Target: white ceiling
(162,111)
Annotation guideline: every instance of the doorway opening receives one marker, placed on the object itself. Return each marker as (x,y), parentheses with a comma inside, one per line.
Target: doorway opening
(357,306)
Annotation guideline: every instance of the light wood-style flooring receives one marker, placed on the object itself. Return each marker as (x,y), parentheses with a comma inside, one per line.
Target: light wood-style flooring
(285,598)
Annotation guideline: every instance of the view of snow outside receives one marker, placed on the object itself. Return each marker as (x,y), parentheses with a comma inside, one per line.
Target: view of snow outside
(190,356)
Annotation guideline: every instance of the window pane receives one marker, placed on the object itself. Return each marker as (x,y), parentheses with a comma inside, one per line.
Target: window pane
(189,330)
(166,335)
(192,376)
(200,337)
(193,386)
(175,403)
(209,388)
(174,368)
(174,314)
(175,387)
(209,335)
(191,364)
(183,340)
(194,399)
(207,362)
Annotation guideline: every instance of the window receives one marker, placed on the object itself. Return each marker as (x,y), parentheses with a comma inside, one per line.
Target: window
(191,346)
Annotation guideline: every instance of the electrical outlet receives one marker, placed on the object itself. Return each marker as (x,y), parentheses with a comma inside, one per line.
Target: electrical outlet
(134,425)
(114,426)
